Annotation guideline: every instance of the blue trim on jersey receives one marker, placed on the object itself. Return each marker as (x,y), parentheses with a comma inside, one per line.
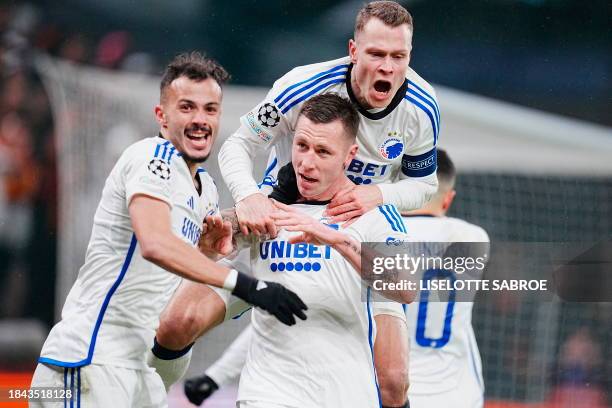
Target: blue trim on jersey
(474,364)
(320,74)
(309,94)
(389,218)
(92,342)
(371,343)
(267,181)
(421,165)
(431,105)
(65,385)
(79,387)
(158,147)
(404,307)
(172,151)
(109,295)
(65,364)
(238,316)
(308,86)
(427,112)
(72,388)
(396,216)
(163,156)
(428,96)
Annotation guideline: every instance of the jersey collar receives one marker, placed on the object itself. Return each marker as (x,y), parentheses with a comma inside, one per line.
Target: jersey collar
(314,202)
(397,99)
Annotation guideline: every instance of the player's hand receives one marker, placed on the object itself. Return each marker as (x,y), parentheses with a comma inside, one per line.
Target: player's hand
(313,231)
(349,204)
(197,389)
(254,215)
(271,297)
(216,237)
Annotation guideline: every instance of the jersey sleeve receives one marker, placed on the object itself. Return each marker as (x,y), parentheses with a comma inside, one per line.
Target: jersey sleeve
(382,224)
(417,179)
(272,119)
(388,307)
(419,159)
(277,114)
(147,173)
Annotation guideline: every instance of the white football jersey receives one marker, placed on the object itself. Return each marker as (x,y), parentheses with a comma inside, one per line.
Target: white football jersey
(442,344)
(396,142)
(113,308)
(326,360)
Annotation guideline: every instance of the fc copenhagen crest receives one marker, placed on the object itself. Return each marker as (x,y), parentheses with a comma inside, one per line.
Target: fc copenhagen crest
(392,147)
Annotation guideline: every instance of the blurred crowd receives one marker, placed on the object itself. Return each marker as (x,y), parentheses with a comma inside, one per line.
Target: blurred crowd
(28,195)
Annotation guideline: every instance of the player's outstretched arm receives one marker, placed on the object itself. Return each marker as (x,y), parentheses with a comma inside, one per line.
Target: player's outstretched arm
(151,223)
(314,232)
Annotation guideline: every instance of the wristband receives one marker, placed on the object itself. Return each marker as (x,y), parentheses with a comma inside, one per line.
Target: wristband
(230,280)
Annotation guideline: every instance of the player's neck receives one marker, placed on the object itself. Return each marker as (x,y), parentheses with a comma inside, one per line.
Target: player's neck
(328,195)
(357,93)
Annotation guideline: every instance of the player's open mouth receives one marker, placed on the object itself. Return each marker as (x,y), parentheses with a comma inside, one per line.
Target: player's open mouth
(198,138)
(308,179)
(382,87)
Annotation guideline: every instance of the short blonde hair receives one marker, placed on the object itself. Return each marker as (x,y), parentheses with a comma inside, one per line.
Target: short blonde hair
(389,12)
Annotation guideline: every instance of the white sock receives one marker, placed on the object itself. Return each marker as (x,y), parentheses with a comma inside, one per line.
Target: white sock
(170,370)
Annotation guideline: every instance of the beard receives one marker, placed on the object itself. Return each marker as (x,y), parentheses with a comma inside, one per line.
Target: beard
(195,160)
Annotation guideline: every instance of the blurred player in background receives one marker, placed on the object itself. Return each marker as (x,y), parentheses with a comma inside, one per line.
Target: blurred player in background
(144,239)
(445,367)
(442,374)
(399,124)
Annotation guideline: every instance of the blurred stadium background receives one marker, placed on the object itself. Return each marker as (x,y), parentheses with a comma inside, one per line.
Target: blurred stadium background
(524,88)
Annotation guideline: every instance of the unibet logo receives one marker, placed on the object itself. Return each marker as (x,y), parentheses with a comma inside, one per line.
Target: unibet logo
(293,257)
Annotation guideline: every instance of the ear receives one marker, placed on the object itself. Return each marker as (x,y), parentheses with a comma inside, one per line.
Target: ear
(352,48)
(448,200)
(160,116)
(350,156)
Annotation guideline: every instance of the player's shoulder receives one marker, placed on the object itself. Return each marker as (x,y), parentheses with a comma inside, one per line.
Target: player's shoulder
(151,147)
(466,231)
(416,84)
(420,95)
(316,75)
(383,217)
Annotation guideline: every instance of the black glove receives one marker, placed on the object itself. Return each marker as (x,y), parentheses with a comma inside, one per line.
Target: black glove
(271,297)
(197,389)
(285,190)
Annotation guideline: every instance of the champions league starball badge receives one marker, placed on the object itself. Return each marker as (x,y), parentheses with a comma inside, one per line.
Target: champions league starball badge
(160,168)
(268,115)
